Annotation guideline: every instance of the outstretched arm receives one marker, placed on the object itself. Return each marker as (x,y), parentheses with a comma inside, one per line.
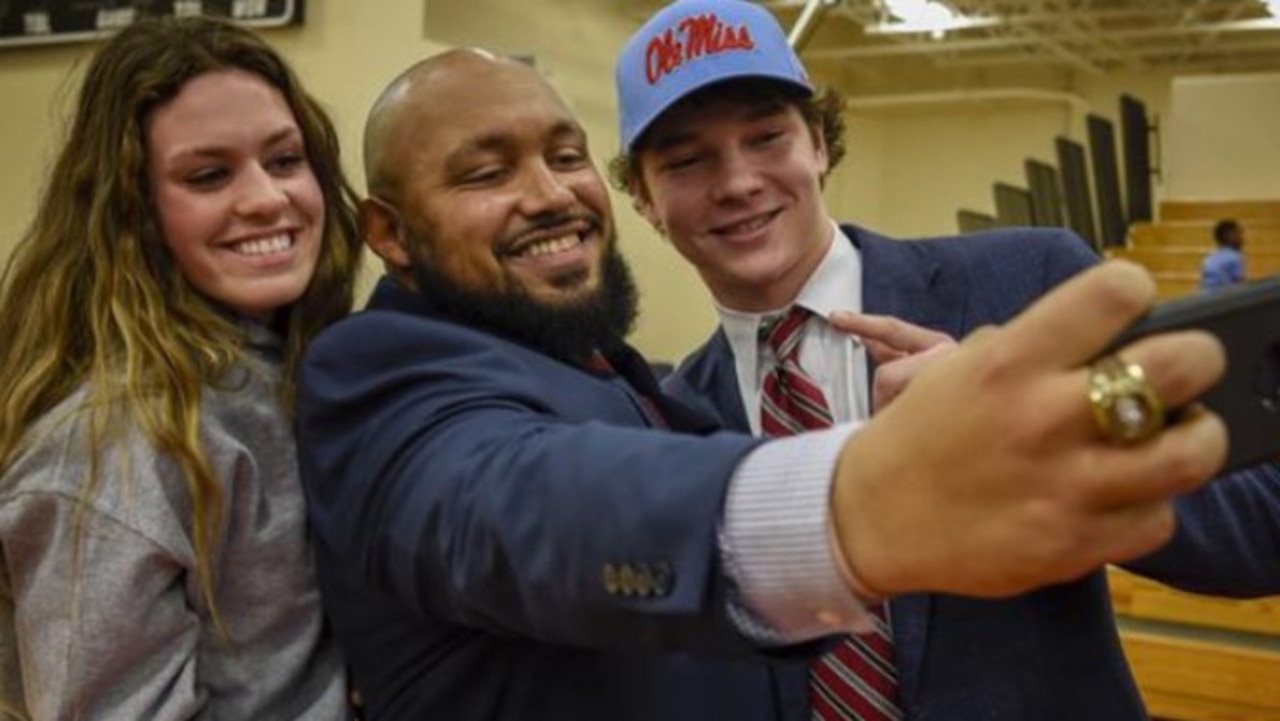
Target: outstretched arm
(988,475)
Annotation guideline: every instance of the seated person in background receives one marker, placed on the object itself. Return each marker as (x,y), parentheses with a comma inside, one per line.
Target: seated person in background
(514,523)
(1224,266)
(726,153)
(195,233)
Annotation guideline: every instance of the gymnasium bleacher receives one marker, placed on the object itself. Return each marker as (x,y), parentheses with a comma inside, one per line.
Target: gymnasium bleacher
(1173,248)
(1199,658)
(1196,658)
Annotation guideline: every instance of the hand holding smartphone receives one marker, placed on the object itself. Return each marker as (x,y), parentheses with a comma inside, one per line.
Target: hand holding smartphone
(1246,319)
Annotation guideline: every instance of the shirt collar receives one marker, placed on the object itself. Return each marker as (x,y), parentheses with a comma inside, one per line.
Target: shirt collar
(836,284)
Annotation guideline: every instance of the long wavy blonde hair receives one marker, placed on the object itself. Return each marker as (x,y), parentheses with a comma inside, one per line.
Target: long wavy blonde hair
(91,296)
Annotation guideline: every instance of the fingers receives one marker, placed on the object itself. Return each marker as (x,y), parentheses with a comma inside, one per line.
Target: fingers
(1075,321)
(888,332)
(1027,488)
(1178,460)
(1101,538)
(1180,367)
(893,376)
(882,353)
(1177,367)
(1133,531)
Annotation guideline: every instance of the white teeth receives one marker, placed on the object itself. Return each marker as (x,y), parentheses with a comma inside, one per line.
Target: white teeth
(747,226)
(550,245)
(264,246)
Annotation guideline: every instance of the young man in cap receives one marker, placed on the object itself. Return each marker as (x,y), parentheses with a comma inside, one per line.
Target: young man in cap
(513,523)
(725,149)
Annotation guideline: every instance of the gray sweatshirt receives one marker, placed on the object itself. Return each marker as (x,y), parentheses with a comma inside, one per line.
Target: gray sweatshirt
(123,631)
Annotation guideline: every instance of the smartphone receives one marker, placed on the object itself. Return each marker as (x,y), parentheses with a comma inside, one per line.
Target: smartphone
(1246,318)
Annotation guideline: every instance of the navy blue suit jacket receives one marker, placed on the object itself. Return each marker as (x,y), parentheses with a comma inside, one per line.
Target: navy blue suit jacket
(1055,653)
(503,536)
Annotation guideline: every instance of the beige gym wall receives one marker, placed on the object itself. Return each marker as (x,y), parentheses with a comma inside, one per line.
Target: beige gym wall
(1222,139)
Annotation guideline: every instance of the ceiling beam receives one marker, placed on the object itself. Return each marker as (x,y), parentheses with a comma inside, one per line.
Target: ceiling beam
(1165,55)
(963,97)
(928,46)
(810,16)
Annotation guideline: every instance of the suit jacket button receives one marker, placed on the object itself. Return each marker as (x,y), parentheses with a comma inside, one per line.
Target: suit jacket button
(627,580)
(610,577)
(663,580)
(644,580)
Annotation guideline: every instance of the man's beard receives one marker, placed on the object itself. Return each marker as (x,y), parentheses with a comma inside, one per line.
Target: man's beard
(570,331)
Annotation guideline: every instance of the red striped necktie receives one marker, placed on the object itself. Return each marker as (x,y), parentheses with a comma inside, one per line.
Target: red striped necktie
(857,679)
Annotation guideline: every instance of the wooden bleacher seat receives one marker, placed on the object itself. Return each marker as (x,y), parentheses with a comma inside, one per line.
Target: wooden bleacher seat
(1260,235)
(1186,259)
(1199,658)
(1245,211)
(1173,248)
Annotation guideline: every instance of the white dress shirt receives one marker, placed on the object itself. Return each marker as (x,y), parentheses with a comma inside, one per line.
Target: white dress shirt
(836,361)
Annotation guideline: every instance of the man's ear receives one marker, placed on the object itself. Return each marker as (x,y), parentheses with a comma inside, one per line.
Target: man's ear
(643,204)
(383,231)
(820,147)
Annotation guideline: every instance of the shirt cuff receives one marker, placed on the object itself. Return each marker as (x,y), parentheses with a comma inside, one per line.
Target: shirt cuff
(792,583)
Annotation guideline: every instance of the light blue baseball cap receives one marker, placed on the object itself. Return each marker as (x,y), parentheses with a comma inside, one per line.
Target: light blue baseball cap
(691,44)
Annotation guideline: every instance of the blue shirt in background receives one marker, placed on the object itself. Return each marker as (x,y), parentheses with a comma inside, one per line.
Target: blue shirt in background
(1221,268)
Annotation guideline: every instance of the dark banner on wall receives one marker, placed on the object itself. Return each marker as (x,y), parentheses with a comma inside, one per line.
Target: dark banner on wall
(38,22)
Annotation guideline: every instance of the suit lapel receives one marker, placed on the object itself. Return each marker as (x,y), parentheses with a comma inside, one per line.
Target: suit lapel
(678,416)
(906,279)
(725,379)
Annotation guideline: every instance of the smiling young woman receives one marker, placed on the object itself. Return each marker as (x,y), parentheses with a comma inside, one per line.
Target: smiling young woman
(195,233)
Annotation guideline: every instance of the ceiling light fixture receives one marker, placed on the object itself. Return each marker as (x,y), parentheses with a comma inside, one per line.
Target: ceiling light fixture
(930,16)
